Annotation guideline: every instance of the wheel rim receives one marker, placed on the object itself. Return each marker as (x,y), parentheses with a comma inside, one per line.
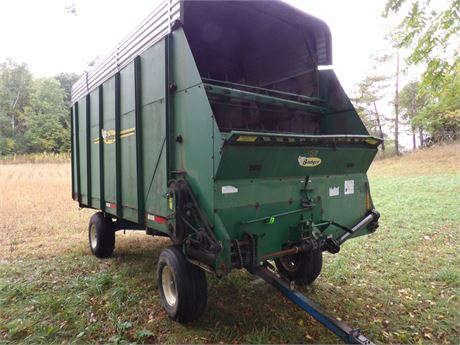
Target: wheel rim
(169,286)
(290,262)
(93,236)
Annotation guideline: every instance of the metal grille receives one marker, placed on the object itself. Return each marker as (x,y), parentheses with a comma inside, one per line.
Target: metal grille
(157,25)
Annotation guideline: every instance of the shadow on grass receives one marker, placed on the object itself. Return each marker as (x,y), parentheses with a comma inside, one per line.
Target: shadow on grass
(241,308)
(117,300)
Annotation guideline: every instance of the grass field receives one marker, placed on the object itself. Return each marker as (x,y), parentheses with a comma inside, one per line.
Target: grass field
(399,285)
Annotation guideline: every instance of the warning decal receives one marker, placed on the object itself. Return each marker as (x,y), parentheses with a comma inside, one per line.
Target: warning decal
(334,191)
(349,187)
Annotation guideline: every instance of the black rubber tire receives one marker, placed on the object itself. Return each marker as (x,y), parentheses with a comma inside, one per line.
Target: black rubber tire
(104,232)
(190,286)
(305,268)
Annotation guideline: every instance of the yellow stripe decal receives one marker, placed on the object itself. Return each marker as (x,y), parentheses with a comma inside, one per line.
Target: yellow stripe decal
(246,139)
(129,130)
(110,135)
(126,135)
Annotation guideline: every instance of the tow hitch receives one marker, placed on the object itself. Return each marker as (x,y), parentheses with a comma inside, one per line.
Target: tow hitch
(346,333)
(333,245)
(329,244)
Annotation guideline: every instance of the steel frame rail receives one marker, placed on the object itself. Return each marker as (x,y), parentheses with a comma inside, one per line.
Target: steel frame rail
(343,331)
(263,91)
(260,98)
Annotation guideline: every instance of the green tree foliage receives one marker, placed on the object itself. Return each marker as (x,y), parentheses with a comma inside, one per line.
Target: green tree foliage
(441,114)
(47,118)
(431,29)
(34,114)
(370,93)
(15,81)
(67,80)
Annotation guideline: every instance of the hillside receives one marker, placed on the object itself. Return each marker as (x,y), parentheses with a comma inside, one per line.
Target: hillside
(429,161)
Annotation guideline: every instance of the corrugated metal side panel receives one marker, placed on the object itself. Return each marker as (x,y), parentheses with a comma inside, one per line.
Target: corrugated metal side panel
(322,49)
(157,25)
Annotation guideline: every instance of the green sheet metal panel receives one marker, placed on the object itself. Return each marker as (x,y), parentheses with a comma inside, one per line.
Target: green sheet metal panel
(153,129)
(128,144)
(109,145)
(266,197)
(94,143)
(256,199)
(341,116)
(265,178)
(193,121)
(153,135)
(82,164)
(344,207)
(197,154)
(247,161)
(74,153)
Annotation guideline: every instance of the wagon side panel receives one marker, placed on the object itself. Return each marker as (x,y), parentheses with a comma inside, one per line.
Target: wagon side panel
(82,152)
(152,72)
(108,129)
(194,123)
(127,137)
(94,148)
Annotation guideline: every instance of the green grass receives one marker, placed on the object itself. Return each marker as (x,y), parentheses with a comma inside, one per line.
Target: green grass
(399,285)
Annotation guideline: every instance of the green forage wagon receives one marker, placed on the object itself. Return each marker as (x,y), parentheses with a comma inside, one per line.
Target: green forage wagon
(221,125)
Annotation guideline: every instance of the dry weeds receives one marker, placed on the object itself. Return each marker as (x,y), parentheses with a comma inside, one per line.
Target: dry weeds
(39,218)
(430,161)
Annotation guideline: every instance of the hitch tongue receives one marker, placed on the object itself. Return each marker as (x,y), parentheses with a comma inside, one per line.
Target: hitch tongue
(330,244)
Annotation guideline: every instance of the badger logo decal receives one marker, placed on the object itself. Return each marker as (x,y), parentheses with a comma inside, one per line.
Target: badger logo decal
(108,136)
(309,162)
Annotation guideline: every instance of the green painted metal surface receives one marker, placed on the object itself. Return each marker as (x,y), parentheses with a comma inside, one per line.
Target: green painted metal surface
(278,186)
(108,131)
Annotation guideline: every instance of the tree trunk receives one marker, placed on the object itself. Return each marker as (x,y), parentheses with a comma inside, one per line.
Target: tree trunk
(379,124)
(413,113)
(12,110)
(420,133)
(397,106)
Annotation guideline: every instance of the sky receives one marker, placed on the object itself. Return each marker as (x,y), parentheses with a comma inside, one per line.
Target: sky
(51,40)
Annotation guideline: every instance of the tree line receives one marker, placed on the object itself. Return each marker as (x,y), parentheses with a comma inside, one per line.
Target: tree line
(427,36)
(431,116)
(34,112)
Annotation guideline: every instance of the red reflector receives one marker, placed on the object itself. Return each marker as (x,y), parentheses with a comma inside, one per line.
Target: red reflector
(110,205)
(157,219)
